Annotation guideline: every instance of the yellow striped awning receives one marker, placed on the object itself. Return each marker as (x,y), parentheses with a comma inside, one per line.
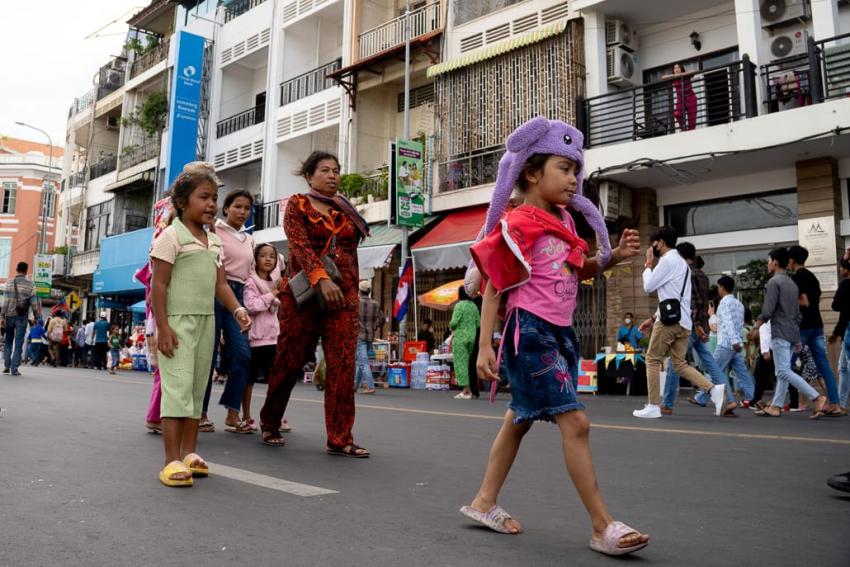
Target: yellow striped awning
(498,49)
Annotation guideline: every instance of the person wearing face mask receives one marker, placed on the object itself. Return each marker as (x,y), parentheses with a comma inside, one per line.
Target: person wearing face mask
(629,334)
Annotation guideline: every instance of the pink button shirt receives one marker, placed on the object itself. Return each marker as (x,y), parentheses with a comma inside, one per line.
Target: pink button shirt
(237,252)
(551,292)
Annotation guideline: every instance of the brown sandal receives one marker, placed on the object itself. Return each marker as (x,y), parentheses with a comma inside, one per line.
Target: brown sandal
(350,450)
(273,439)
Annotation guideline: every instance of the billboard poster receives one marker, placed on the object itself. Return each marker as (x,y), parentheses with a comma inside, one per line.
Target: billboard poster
(409,175)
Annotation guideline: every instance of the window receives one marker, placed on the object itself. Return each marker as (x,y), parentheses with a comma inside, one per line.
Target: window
(5,256)
(48,202)
(10,189)
(97,224)
(765,210)
(468,11)
(418,97)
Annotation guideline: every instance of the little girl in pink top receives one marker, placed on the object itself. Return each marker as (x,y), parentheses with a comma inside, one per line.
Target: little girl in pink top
(262,304)
(531,261)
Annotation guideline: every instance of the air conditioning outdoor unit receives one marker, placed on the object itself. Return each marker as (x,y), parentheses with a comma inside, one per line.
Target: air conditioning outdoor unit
(618,32)
(621,66)
(778,12)
(788,43)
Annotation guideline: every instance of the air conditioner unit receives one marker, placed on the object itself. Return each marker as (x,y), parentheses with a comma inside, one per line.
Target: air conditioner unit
(113,122)
(621,66)
(618,32)
(778,12)
(788,43)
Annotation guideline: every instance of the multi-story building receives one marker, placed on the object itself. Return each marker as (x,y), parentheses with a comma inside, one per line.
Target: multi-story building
(29,183)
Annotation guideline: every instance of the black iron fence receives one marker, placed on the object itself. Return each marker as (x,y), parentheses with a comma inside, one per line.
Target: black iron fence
(255,115)
(77,179)
(239,7)
(111,77)
(462,172)
(695,100)
(105,165)
(308,83)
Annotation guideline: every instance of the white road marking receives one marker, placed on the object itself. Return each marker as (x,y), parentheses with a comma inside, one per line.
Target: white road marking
(265,481)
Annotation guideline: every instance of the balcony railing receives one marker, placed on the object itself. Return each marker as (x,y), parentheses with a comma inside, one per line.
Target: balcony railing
(377,185)
(149,59)
(105,165)
(308,83)
(239,7)
(470,171)
(111,77)
(255,115)
(391,34)
(821,73)
(81,103)
(270,216)
(134,155)
(77,179)
(707,98)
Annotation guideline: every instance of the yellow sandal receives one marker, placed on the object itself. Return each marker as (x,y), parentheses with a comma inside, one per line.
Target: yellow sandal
(172,468)
(201,470)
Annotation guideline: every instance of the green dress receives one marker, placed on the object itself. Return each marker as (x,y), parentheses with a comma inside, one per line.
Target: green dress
(464,324)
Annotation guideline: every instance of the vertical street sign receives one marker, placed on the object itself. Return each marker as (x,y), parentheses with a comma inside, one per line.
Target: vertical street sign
(185,104)
(410,178)
(43,274)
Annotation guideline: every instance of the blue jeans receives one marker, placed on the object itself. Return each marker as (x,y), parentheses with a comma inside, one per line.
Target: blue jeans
(726,357)
(115,355)
(363,369)
(844,371)
(16,330)
(784,375)
(713,373)
(813,338)
(238,350)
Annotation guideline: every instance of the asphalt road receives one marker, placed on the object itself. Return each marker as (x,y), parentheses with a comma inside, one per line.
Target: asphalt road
(79,485)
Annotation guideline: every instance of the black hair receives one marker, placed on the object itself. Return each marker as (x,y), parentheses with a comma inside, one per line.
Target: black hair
(259,247)
(461,293)
(186,183)
(845,264)
(233,195)
(727,283)
(798,254)
(687,251)
(534,163)
(629,314)
(780,256)
(665,234)
(699,263)
(22,267)
(311,164)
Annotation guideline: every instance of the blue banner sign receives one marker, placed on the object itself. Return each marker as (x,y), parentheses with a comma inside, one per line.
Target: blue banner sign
(185,104)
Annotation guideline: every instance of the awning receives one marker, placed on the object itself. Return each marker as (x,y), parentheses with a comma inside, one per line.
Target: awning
(498,49)
(374,257)
(140,179)
(447,245)
(120,257)
(139,307)
(376,251)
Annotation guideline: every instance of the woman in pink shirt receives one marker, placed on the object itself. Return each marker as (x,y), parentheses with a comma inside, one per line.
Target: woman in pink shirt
(238,258)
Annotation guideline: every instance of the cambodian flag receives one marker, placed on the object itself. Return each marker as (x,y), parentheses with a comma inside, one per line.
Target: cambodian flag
(405,288)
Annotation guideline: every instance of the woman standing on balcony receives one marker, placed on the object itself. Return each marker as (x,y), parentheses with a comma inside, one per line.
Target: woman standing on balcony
(686,101)
(238,252)
(324,230)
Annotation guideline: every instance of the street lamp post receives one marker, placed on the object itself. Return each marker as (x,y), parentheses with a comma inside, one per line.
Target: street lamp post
(42,234)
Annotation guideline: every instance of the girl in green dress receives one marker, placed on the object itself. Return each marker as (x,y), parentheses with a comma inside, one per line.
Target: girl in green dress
(465,322)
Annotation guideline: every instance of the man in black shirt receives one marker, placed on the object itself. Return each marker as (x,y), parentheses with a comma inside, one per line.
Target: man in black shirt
(841,303)
(811,326)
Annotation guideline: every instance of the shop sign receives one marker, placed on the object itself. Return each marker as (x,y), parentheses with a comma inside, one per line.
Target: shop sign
(43,274)
(818,237)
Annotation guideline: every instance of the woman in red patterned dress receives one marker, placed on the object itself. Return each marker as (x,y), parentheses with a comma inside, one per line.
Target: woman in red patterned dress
(310,222)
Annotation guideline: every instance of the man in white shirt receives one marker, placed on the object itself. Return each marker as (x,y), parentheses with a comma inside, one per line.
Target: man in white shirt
(89,343)
(671,279)
(730,341)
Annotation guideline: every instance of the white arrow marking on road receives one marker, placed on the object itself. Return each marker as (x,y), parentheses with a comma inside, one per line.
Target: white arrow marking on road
(265,481)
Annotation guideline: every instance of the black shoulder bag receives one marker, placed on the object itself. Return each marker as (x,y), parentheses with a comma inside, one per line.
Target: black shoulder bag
(670,310)
(300,283)
(21,307)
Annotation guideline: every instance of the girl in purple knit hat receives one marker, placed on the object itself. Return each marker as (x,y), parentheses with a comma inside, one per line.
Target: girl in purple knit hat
(528,264)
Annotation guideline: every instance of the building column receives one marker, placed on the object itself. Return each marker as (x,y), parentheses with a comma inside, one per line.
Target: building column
(595,53)
(750,34)
(624,291)
(819,196)
(824,19)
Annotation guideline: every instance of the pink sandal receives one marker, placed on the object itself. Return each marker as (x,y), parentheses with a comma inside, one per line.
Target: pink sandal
(495,518)
(609,543)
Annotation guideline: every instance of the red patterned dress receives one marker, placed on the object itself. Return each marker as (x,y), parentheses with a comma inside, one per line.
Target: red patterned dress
(308,232)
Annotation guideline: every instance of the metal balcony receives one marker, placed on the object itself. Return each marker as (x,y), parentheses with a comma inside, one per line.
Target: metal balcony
(239,7)
(245,119)
(149,59)
(462,172)
(392,33)
(308,83)
(105,165)
(135,155)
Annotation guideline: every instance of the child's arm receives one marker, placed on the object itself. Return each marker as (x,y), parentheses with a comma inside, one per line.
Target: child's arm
(225,295)
(486,365)
(628,248)
(166,338)
(255,302)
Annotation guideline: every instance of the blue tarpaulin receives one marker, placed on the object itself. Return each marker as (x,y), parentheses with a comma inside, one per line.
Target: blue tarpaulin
(120,257)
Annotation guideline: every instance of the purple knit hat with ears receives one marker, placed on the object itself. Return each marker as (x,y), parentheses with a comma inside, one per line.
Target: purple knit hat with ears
(540,136)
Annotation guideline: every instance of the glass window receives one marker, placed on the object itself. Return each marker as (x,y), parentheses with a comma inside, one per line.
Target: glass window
(741,213)
(97,224)
(48,202)
(5,256)
(10,189)
(467,10)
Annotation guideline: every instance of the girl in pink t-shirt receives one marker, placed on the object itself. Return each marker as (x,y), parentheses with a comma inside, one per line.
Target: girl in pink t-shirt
(533,260)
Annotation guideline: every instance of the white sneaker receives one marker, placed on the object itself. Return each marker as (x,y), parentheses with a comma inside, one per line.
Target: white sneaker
(463,396)
(718,396)
(649,411)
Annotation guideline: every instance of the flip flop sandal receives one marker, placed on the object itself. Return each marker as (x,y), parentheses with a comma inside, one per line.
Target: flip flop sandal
(495,518)
(609,542)
(269,438)
(242,427)
(206,426)
(765,413)
(154,428)
(199,470)
(352,451)
(171,469)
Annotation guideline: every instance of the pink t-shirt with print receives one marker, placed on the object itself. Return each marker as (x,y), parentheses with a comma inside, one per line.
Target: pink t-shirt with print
(552,291)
